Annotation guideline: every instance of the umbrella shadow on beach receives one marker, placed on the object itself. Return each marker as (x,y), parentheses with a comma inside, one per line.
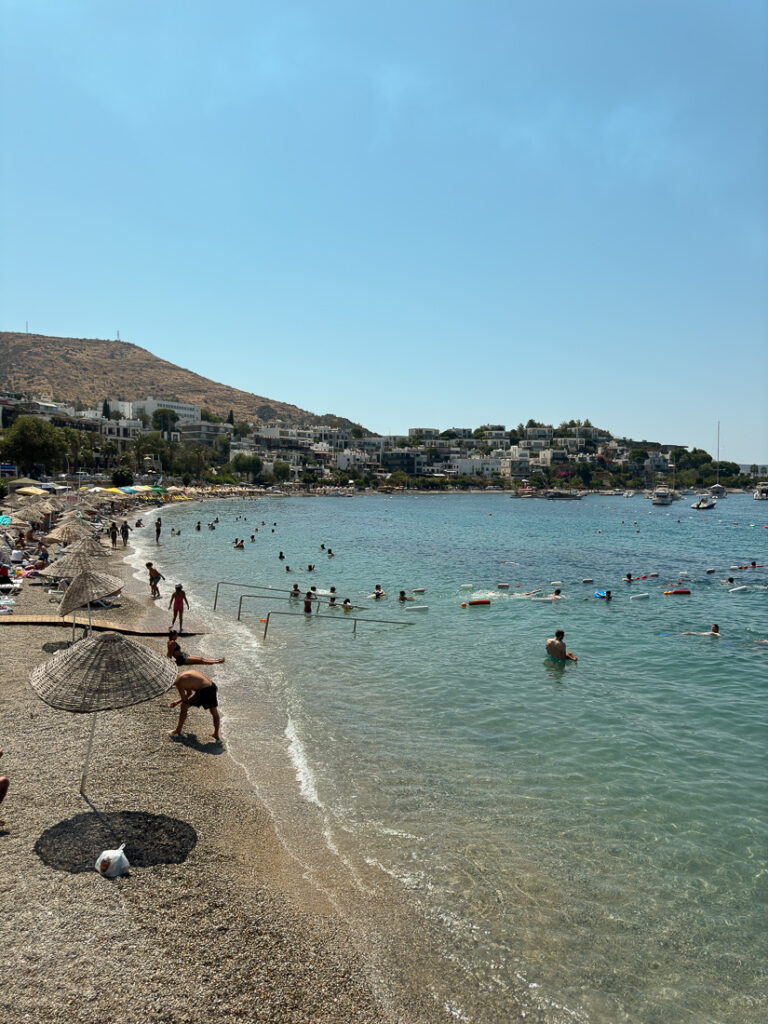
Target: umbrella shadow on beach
(56,645)
(73,845)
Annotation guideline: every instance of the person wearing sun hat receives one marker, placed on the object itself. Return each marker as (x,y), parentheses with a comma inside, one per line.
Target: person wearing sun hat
(177,602)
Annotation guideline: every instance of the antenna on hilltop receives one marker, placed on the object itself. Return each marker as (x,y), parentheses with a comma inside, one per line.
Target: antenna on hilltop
(118,335)
(27,326)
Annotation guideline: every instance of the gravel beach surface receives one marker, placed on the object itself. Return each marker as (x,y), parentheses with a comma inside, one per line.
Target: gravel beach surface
(214,921)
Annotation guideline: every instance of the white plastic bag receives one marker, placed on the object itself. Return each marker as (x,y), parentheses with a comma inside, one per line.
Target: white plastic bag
(112,863)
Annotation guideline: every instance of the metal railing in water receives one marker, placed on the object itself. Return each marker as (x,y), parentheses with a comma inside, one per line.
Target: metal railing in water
(345,617)
(245,586)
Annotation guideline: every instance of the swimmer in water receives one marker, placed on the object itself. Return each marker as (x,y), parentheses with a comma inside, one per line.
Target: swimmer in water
(715,631)
(555,648)
(378,592)
(404,597)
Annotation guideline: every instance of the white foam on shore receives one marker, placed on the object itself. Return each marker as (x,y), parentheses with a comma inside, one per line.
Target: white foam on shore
(298,756)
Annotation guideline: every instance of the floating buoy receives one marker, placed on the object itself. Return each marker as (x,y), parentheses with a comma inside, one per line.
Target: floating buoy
(262,620)
(463,604)
(418,590)
(670,592)
(708,571)
(588,580)
(502,586)
(652,574)
(483,600)
(638,597)
(734,589)
(556,583)
(416,607)
(466,586)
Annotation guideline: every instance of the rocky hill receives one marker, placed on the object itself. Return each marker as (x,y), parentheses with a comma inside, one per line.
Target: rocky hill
(89,370)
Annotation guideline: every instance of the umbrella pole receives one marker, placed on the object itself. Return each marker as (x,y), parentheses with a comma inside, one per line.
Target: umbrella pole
(83,794)
(87,758)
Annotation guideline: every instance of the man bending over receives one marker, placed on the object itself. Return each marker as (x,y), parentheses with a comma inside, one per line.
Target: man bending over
(196,691)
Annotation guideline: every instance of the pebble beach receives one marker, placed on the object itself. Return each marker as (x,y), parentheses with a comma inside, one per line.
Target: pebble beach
(214,921)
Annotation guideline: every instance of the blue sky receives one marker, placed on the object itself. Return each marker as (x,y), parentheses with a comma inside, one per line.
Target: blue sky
(411,214)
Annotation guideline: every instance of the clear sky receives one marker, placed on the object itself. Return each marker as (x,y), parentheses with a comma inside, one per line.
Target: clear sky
(411,213)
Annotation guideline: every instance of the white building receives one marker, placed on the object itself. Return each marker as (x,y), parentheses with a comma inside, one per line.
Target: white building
(186,412)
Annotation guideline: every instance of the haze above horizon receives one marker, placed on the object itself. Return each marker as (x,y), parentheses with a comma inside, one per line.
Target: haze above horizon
(438,214)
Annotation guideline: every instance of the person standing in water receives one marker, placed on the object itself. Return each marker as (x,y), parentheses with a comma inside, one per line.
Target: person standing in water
(158,528)
(555,648)
(178,600)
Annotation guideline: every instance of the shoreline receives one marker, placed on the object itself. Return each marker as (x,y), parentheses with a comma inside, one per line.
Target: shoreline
(235,931)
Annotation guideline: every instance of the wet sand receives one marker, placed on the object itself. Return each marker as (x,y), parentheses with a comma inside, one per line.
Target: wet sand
(214,922)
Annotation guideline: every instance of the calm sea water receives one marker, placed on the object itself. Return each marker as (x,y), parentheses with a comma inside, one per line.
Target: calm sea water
(582,842)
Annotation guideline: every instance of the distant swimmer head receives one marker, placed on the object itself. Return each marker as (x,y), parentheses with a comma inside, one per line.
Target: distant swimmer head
(559,634)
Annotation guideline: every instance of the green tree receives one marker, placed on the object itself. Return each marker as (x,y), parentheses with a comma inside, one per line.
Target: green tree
(164,420)
(281,471)
(231,417)
(33,442)
(356,432)
(209,417)
(105,410)
(242,429)
(109,451)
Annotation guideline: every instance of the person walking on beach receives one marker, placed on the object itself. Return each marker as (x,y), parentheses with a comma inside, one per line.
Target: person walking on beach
(154,576)
(158,528)
(113,533)
(196,691)
(178,600)
(4,784)
(555,647)
(182,658)
(124,531)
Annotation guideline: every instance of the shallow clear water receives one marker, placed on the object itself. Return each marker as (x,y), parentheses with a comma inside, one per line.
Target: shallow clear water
(585,841)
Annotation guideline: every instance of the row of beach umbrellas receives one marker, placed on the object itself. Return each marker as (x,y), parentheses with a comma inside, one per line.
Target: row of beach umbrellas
(102,672)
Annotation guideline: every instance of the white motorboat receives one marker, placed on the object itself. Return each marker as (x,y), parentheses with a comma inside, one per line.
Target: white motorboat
(705,501)
(718,491)
(661,496)
(761,491)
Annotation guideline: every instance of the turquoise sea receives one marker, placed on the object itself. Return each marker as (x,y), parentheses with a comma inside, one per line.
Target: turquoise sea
(581,842)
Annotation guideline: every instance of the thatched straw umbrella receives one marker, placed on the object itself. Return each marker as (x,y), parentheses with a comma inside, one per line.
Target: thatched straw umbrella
(86,586)
(101,673)
(68,533)
(88,546)
(69,565)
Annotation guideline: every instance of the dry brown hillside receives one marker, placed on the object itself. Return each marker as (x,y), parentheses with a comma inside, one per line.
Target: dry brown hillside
(89,370)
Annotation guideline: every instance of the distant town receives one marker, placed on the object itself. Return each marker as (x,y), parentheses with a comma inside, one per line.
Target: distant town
(125,440)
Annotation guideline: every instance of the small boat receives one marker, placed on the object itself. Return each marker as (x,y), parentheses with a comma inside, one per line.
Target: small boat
(718,491)
(704,501)
(761,491)
(559,495)
(661,496)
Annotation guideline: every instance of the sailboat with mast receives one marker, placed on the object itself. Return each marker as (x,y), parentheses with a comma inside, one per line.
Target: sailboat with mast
(717,490)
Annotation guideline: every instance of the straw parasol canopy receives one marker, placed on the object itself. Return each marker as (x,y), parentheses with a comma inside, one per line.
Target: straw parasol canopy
(102,673)
(69,565)
(86,586)
(68,533)
(22,481)
(12,501)
(88,546)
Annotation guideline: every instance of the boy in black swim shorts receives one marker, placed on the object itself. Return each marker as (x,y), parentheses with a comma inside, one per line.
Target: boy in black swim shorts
(196,691)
